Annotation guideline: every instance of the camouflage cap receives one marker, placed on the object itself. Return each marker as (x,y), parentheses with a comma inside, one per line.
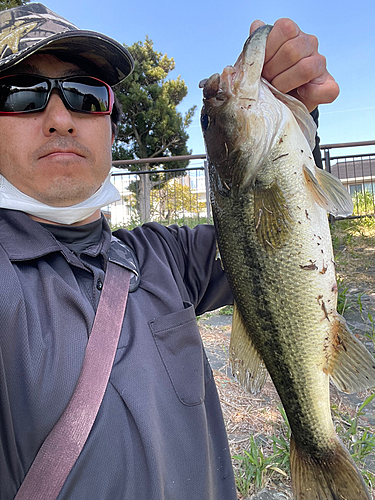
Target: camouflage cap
(35,28)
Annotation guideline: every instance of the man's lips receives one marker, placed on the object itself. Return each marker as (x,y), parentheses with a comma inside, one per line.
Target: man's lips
(62,147)
(61,152)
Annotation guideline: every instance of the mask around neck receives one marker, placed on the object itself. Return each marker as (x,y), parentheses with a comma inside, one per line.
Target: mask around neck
(13,199)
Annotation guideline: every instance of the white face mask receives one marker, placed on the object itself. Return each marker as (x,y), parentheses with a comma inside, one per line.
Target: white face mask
(12,198)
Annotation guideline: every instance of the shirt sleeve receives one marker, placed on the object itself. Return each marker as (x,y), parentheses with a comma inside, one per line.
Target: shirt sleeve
(195,253)
(203,276)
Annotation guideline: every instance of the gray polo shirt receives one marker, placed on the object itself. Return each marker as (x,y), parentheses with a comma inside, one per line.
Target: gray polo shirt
(159,434)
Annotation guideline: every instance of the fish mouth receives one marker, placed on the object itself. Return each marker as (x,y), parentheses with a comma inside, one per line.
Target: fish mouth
(242,79)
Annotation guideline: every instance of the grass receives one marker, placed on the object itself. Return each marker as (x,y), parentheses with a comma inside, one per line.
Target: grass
(255,468)
(354,246)
(364,203)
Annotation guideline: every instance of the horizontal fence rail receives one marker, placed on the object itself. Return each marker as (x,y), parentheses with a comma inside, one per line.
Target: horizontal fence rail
(357,173)
(181,195)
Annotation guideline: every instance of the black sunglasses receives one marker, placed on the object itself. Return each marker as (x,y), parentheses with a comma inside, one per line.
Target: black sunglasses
(30,93)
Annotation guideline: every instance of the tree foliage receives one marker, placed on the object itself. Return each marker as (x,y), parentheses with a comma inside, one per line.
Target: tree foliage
(151,126)
(9,4)
(175,200)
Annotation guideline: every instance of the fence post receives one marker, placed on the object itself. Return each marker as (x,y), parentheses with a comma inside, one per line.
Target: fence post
(327,160)
(207,183)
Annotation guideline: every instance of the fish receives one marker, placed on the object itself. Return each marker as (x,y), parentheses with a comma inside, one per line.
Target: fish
(270,205)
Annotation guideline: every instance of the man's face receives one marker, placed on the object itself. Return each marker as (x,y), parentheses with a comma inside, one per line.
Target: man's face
(56,156)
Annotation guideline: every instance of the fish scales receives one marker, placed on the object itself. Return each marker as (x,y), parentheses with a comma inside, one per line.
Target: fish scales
(263,297)
(270,206)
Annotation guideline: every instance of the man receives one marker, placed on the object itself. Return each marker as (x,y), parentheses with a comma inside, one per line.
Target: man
(159,433)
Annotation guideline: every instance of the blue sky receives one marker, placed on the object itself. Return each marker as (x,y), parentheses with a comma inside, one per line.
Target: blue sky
(205,36)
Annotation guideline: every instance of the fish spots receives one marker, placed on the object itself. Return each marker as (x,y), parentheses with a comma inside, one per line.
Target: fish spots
(324,269)
(323,306)
(248,106)
(309,267)
(307,216)
(337,342)
(281,156)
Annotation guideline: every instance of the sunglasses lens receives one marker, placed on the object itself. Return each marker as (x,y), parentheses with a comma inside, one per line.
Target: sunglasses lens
(87,94)
(22,93)
(27,93)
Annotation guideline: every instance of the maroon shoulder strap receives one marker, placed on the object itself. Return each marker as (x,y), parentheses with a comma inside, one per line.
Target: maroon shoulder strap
(64,443)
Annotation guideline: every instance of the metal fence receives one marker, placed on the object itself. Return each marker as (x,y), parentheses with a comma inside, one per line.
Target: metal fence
(357,173)
(177,196)
(181,196)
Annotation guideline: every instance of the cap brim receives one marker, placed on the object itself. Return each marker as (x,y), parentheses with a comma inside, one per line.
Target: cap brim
(112,61)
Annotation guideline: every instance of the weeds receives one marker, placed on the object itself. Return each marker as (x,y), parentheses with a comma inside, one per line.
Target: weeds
(254,467)
(358,439)
(342,297)
(226,311)
(364,202)
(371,333)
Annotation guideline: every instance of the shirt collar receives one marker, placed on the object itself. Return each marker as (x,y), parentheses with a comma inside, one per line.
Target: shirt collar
(25,239)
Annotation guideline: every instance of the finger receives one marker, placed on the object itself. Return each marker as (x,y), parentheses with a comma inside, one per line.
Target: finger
(307,69)
(283,30)
(316,92)
(290,53)
(255,25)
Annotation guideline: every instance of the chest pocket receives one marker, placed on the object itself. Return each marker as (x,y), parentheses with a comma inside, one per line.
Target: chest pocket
(180,347)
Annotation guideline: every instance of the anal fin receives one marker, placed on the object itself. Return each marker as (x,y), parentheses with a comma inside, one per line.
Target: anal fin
(247,365)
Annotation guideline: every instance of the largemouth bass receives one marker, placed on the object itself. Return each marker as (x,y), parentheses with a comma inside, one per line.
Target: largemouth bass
(270,205)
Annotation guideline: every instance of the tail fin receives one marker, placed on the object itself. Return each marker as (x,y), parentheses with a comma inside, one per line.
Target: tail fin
(332,477)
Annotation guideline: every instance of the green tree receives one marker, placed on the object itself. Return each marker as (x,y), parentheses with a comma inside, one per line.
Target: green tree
(9,4)
(151,126)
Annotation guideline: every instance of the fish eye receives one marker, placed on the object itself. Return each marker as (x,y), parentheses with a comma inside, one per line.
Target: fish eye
(205,122)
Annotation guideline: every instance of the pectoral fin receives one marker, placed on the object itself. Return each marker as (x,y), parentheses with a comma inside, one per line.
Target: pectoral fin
(350,365)
(272,217)
(328,192)
(247,365)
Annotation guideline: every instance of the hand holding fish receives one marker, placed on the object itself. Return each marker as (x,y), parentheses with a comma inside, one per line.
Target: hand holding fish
(293,64)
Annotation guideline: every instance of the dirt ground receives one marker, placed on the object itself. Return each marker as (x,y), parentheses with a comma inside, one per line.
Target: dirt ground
(258,416)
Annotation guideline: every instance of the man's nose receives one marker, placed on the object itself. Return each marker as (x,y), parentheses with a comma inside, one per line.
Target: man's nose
(57,117)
